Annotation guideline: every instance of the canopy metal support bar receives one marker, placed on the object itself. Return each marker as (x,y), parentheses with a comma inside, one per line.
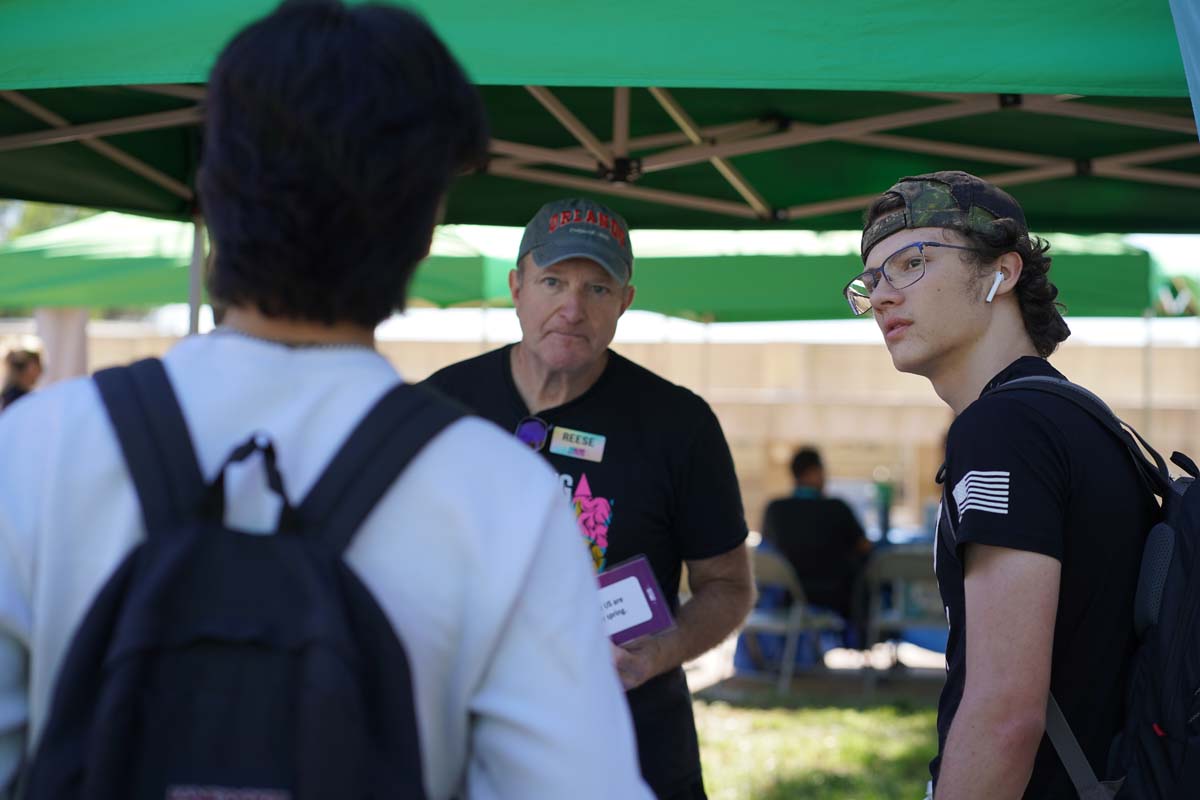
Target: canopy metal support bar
(1170,152)
(731,132)
(810,134)
(572,124)
(115,154)
(1063,169)
(1119,116)
(908,144)
(73,133)
(1159,176)
(1064,105)
(542,155)
(180,90)
(729,172)
(196,274)
(620,132)
(1066,169)
(677,199)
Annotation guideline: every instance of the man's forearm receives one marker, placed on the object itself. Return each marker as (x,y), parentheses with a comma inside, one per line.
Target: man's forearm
(714,611)
(722,594)
(989,751)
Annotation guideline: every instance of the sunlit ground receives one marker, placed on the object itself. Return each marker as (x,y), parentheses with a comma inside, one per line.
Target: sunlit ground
(797,748)
(842,733)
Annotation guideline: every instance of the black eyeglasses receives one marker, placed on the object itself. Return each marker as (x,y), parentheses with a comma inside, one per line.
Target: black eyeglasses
(901,269)
(533,431)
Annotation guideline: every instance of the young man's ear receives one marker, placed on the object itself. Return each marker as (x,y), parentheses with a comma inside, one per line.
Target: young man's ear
(1006,276)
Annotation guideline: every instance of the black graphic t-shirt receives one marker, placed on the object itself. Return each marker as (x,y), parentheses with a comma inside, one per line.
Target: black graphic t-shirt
(664,487)
(1031,471)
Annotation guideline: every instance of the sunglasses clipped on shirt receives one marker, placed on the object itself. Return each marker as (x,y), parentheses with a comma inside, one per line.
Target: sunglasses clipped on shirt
(534,432)
(901,269)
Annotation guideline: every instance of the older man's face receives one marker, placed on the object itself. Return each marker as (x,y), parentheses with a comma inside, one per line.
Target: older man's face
(568,311)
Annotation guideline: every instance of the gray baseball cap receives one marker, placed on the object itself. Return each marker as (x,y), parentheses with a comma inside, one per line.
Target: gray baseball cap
(579,228)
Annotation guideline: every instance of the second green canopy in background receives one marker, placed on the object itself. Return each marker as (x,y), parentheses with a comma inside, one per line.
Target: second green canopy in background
(123,261)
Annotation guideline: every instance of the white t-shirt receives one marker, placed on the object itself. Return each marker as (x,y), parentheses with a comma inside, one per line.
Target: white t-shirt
(472,554)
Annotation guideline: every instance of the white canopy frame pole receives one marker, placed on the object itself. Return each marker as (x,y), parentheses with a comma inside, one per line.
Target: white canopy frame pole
(183,91)
(532,154)
(750,137)
(620,132)
(662,196)
(178,118)
(697,153)
(731,132)
(729,172)
(573,124)
(196,274)
(1062,169)
(1148,375)
(1064,107)
(115,154)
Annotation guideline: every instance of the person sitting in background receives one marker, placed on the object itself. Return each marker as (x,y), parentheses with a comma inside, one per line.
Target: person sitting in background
(821,538)
(24,369)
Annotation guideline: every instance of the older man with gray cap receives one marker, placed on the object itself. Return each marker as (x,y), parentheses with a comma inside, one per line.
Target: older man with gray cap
(642,461)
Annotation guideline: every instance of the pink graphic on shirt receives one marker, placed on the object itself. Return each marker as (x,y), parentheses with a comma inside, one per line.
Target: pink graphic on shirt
(594,515)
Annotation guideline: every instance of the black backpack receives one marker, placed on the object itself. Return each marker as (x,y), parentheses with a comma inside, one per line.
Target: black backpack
(1158,750)
(219,664)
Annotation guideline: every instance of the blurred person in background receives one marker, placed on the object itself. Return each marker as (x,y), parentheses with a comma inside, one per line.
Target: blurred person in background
(23,369)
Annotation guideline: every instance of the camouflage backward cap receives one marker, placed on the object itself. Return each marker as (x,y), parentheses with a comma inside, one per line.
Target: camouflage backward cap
(943,200)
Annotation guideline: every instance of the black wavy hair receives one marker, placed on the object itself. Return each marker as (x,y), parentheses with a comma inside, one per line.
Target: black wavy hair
(1036,295)
(332,135)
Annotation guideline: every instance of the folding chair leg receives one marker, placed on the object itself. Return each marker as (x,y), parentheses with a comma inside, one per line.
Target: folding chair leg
(788,666)
(814,641)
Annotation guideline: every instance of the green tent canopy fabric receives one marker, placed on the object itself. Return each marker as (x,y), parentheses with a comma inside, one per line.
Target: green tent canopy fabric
(119,260)
(1093,47)
(704,114)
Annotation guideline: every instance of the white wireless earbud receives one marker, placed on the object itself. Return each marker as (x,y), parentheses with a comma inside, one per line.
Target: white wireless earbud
(999,279)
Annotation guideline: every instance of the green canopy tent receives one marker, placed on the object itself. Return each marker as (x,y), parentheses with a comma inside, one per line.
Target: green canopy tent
(122,260)
(127,261)
(681,114)
(779,113)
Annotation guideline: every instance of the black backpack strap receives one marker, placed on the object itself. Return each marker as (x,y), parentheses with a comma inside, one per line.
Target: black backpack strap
(154,440)
(1156,475)
(372,458)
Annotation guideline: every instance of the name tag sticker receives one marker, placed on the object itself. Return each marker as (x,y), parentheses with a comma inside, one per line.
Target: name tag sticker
(577,444)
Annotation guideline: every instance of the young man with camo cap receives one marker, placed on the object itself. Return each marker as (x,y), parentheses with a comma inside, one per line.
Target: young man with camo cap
(1042,525)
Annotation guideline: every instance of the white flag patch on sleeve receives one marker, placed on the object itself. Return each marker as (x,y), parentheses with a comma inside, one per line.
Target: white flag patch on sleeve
(982,490)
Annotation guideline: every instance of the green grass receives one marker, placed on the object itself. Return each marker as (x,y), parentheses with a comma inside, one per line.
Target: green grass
(770,748)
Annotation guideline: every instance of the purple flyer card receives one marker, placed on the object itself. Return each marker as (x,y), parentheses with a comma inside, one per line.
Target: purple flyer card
(631,601)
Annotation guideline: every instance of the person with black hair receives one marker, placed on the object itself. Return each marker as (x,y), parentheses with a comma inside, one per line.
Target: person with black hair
(821,538)
(1043,517)
(23,369)
(333,133)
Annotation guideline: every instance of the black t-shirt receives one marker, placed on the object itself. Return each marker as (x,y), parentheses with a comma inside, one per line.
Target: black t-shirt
(10,395)
(664,488)
(1031,471)
(821,538)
